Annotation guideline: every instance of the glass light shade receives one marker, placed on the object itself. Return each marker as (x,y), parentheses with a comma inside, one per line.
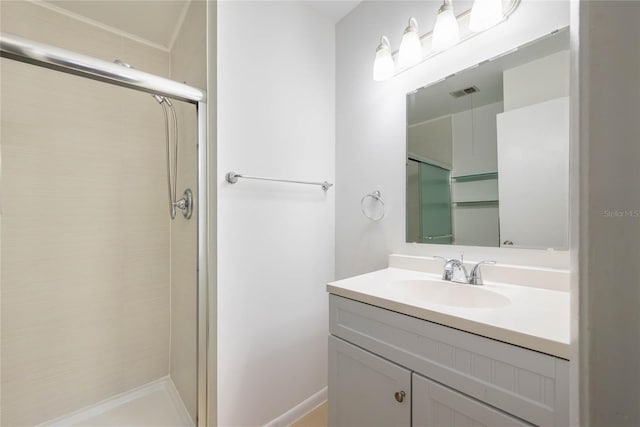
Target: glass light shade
(485,14)
(446,32)
(383,66)
(411,46)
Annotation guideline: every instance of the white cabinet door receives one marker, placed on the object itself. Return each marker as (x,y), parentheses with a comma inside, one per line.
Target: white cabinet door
(533,170)
(437,406)
(366,390)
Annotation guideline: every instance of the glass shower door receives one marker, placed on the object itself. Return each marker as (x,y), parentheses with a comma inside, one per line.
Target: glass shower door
(435,204)
(98,285)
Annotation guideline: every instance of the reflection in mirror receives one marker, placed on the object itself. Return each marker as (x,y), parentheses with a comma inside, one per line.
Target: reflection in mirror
(488,152)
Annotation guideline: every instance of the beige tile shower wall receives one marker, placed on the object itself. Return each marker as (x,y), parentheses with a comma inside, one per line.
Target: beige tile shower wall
(85,230)
(188,64)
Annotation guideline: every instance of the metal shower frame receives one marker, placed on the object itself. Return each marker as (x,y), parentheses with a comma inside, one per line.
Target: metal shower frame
(28,51)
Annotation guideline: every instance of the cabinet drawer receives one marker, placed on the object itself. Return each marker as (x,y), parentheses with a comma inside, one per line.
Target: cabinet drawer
(363,387)
(530,385)
(435,405)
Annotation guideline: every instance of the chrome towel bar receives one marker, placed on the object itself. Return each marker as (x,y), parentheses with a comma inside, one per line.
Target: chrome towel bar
(232,178)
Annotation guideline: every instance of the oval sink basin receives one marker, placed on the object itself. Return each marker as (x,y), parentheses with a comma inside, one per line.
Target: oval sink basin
(449,294)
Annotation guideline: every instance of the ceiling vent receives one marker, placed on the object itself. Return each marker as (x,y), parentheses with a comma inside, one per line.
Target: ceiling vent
(464,92)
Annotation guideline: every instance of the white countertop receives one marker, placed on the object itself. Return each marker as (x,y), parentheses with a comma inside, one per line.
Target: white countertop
(535,318)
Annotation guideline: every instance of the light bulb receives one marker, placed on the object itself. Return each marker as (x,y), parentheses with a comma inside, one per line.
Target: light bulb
(383,66)
(485,14)
(446,32)
(410,47)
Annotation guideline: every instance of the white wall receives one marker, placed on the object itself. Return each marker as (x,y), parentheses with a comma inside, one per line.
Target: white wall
(275,241)
(370,125)
(537,81)
(431,141)
(607,288)
(533,153)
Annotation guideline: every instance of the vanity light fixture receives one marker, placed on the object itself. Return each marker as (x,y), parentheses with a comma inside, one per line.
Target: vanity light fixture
(446,32)
(485,14)
(411,46)
(383,66)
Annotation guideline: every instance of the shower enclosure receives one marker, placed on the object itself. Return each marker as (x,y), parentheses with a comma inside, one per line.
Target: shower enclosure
(103,289)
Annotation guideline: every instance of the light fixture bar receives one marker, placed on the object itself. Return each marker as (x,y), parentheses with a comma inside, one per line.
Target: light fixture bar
(485,14)
(513,5)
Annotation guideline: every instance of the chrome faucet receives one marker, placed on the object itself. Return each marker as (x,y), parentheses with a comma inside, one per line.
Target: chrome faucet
(475,278)
(455,271)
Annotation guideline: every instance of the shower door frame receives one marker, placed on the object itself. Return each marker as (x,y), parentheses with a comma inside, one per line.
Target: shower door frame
(51,57)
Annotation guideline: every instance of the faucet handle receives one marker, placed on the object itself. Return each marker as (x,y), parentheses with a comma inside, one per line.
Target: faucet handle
(447,274)
(475,278)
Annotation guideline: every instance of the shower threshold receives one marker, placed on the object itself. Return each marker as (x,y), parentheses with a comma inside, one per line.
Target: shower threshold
(156,404)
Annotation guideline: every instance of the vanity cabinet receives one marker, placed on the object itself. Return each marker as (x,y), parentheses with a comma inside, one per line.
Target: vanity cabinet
(367,390)
(435,405)
(394,370)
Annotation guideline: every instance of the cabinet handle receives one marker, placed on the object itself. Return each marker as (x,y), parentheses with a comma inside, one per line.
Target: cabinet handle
(400,396)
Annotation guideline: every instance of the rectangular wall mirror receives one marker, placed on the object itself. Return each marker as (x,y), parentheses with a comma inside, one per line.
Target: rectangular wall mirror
(488,152)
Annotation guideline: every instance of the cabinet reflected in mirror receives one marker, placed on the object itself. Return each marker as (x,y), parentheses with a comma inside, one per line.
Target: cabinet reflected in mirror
(488,152)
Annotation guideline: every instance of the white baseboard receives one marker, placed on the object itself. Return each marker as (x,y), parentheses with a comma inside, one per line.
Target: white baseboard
(300,410)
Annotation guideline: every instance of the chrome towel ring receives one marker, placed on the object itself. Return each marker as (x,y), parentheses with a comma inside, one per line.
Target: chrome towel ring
(376,196)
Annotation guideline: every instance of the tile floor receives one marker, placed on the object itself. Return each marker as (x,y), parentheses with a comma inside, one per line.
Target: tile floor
(315,418)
